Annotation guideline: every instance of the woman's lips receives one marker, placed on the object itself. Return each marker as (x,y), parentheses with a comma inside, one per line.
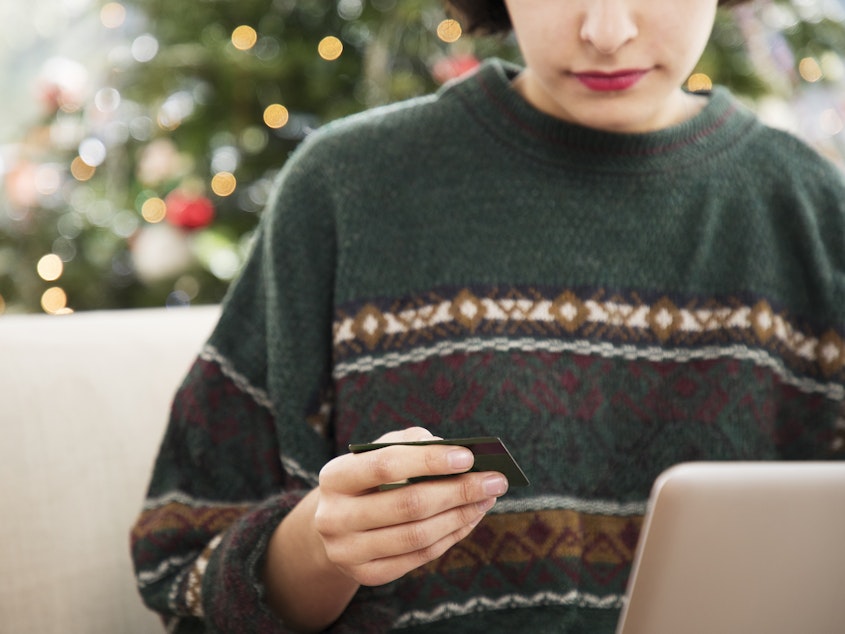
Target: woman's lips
(607,82)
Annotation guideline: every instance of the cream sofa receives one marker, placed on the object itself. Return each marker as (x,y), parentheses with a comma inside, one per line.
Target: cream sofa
(83,405)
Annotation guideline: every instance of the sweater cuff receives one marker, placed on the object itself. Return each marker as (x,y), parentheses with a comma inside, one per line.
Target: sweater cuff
(233,596)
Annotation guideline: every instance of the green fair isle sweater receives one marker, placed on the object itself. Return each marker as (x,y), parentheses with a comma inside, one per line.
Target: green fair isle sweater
(608,304)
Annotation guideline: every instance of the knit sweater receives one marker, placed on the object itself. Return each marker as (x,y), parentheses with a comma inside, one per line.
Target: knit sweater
(608,304)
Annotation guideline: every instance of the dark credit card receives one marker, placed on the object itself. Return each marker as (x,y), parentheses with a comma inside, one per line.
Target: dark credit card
(490,455)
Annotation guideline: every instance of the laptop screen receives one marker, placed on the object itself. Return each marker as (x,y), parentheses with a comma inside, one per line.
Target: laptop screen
(741,547)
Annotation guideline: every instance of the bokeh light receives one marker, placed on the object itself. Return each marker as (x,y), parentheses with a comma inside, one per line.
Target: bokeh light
(832,66)
(54,301)
(253,139)
(81,171)
(100,111)
(330,48)
(144,48)
(107,100)
(124,224)
(276,116)
(141,128)
(113,15)
(699,82)
(188,285)
(92,151)
(350,9)
(224,184)
(810,70)
(175,109)
(225,159)
(449,31)
(47,180)
(224,264)
(154,210)
(50,267)
(244,37)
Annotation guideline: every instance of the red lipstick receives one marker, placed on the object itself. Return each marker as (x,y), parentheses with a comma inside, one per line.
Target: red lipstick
(609,82)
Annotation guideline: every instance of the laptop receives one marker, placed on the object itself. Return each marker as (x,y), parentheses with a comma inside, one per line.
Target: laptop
(741,548)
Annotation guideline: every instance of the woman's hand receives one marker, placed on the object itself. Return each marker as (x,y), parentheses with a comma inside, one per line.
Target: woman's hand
(376,536)
(348,532)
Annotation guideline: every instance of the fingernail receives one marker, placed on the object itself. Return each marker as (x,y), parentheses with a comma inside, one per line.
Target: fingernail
(460,459)
(495,485)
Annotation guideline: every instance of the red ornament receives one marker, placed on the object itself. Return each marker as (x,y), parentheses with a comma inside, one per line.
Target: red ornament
(51,96)
(448,68)
(188,211)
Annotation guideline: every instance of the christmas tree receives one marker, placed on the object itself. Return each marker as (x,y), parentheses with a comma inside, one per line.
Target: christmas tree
(143,179)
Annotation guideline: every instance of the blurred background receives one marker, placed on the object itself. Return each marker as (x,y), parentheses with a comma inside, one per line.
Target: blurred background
(139,138)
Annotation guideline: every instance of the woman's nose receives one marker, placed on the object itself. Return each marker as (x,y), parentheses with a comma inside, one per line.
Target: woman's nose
(608,25)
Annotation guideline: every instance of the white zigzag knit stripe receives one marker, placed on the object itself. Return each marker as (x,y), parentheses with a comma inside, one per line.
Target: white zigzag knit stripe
(562,503)
(292,467)
(147,577)
(484,604)
(833,391)
(211,354)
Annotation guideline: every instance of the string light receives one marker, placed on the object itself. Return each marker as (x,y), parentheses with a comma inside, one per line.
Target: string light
(154,210)
(144,48)
(47,179)
(50,267)
(175,109)
(92,151)
(54,301)
(81,171)
(449,31)
(107,100)
(276,116)
(244,37)
(699,82)
(113,15)
(810,70)
(350,9)
(224,264)
(330,48)
(832,66)
(224,184)
(189,285)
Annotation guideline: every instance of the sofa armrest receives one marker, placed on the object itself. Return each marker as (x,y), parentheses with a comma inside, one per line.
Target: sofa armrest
(84,400)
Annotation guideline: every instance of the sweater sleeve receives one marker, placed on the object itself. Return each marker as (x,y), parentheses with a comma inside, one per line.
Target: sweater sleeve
(247,434)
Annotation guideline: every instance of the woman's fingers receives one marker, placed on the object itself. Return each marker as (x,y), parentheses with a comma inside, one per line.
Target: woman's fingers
(406,527)
(386,554)
(353,474)
(422,535)
(385,570)
(411,503)
(376,536)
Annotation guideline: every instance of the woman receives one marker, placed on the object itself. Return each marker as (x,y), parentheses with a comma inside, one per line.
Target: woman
(610,273)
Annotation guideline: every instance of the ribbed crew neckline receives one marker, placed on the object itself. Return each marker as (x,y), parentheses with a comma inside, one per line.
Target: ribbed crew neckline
(491,99)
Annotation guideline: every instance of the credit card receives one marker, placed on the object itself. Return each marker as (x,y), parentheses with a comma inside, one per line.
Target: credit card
(490,455)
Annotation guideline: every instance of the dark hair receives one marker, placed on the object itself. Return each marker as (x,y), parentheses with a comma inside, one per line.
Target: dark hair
(491,16)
